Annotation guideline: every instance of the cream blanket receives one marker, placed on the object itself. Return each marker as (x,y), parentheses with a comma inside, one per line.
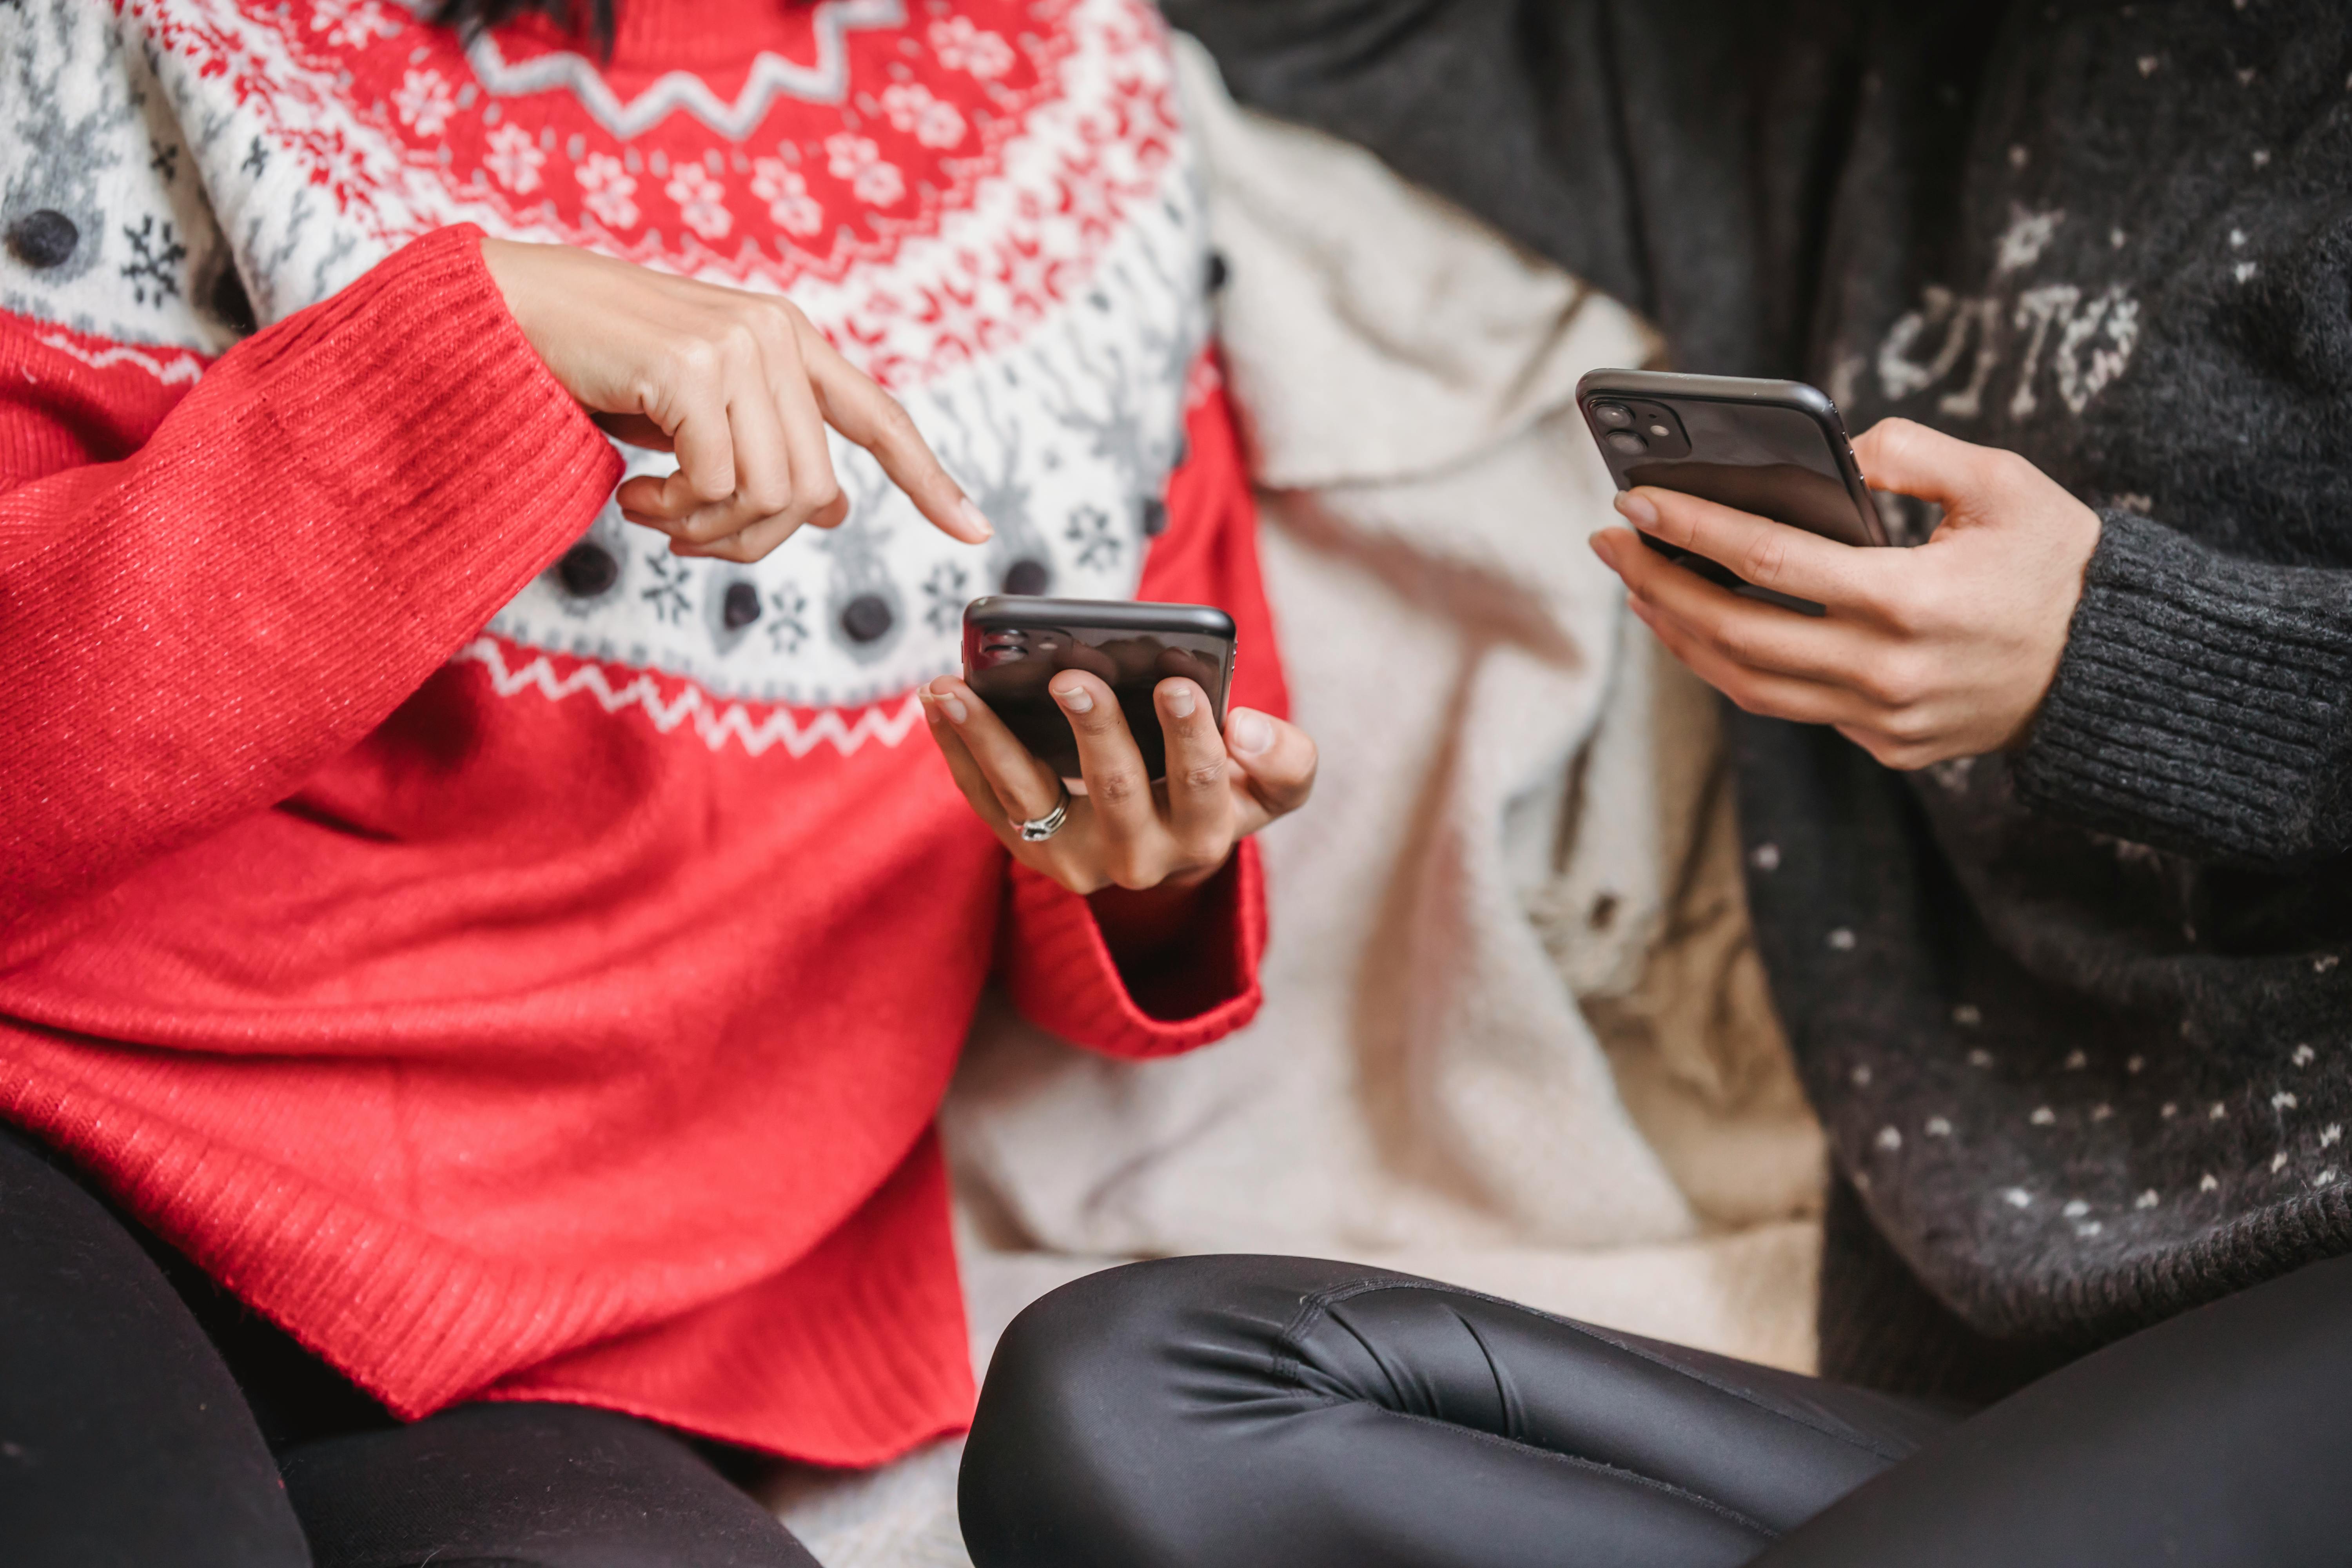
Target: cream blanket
(1514,1035)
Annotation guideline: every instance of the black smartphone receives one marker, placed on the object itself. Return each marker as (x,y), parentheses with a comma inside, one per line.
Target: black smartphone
(1013,644)
(1777,448)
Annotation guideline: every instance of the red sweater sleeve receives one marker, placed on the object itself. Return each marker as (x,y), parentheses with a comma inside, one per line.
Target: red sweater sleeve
(1055,964)
(202,601)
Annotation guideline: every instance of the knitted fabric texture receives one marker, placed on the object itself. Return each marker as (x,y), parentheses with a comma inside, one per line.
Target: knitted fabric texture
(2076,1019)
(521,961)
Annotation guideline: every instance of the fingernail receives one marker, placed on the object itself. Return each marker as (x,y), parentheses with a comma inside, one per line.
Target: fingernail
(1638,509)
(975,520)
(1075,698)
(1601,546)
(1251,733)
(956,711)
(1180,702)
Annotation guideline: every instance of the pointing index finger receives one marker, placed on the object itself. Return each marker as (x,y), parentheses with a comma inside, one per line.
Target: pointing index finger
(854,405)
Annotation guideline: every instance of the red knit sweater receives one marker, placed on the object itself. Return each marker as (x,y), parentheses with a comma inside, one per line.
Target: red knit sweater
(558,1010)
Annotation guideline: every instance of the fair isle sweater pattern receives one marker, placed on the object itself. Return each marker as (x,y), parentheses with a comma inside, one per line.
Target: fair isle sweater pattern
(991,211)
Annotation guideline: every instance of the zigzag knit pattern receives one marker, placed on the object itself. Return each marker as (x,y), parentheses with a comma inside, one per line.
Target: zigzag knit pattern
(521,961)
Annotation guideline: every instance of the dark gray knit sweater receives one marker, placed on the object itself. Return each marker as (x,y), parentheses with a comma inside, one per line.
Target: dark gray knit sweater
(2076,1018)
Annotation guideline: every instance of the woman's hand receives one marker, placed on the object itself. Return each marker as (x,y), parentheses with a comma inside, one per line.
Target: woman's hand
(740,385)
(1126,832)
(1945,650)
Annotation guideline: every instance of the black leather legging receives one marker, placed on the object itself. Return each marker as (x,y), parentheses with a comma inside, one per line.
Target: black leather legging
(1283,1413)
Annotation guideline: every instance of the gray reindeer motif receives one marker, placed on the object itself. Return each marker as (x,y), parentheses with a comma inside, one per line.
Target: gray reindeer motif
(864,613)
(1019,558)
(62,182)
(1105,414)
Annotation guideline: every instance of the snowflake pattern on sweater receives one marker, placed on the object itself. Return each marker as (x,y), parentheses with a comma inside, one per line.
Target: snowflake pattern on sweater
(989,210)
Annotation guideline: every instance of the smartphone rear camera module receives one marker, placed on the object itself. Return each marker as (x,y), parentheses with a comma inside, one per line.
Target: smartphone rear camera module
(1613,415)
(1626,443)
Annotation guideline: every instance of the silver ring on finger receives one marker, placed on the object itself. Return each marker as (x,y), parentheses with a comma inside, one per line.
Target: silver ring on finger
(1038,830)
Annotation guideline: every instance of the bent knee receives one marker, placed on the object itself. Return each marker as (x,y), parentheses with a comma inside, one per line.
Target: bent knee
(1094,1419)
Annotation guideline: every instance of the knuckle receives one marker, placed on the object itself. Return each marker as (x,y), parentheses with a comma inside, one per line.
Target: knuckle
(1914,727)
(769,496)
(1115,787)
(1765,562)
(1738,644)
(1897,435)
(1904,604)
(709,525)
(1904,727)
(1914,677)
(1206,778)
(738,339)
(897,426)
(1893,682)
(823,491)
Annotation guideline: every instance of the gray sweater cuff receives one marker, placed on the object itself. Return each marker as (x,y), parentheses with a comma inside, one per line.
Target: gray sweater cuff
(2203,703)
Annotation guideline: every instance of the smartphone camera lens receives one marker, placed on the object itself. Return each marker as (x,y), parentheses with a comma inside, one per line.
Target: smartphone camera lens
(1614,416)
(1626,442)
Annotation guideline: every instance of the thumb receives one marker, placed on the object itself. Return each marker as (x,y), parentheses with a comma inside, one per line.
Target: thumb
(1276,760)
(1911,459)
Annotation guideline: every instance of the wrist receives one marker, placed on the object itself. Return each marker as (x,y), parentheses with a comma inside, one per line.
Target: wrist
(1140,924)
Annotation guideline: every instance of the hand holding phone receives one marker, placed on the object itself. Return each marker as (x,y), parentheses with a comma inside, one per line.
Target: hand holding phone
(1919,656)
(1130,702)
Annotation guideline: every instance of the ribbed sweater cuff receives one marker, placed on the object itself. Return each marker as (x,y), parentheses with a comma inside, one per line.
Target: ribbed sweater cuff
(412,400)
(1060,972)
(2202,704)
